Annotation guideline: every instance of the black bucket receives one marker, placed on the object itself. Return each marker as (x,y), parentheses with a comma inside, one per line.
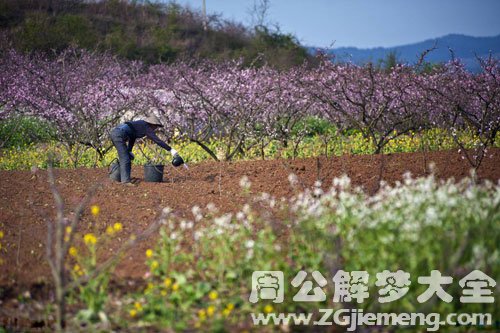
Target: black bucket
(114,170)
(153,173)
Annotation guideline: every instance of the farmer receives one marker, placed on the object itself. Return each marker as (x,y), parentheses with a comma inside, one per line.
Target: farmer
(130,131)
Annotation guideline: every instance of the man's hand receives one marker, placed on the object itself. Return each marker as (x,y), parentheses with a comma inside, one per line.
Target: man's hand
(173,152)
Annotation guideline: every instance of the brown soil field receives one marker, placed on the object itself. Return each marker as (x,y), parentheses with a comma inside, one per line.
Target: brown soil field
(26,199)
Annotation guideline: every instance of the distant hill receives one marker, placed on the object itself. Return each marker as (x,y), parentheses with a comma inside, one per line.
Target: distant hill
(464,47)
(150,31)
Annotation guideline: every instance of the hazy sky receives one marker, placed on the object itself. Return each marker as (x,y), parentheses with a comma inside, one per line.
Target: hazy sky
(367,23)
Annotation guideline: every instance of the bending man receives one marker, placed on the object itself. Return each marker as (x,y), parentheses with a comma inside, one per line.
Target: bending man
(129,132)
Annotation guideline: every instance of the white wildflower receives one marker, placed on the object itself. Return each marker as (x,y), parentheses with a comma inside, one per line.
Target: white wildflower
(265,196)
(197,235)
(245,183)
(343,182)
(211,207)
(431,214)
(292,178)
(197,213)
(246,209)
(183,224)
(272,203)
(224,220)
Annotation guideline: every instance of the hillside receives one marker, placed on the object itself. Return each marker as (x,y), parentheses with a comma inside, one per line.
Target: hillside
(464,47)
(140,30)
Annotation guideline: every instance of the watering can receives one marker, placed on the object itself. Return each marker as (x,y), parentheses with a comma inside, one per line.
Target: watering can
(177,161)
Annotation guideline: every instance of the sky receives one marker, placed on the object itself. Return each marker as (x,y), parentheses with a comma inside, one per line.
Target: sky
(366,23)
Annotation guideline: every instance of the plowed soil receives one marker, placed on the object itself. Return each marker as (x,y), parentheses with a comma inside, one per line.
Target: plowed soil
(26,199)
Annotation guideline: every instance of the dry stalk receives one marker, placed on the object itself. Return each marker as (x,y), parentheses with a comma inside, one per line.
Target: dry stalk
(57,247)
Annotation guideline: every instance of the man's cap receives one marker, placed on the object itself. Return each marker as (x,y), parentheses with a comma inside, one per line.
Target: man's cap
(153,120)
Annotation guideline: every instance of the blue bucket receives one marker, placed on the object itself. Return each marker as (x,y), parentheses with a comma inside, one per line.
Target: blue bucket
(114,170)
(153,173)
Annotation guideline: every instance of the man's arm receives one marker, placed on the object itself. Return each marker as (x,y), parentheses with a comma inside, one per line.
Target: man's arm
(152,135)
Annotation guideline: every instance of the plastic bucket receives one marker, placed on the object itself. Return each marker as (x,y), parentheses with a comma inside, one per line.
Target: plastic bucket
(114,171)
(153,173)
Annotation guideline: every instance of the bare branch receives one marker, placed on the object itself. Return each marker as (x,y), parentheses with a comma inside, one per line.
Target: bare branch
(424,54)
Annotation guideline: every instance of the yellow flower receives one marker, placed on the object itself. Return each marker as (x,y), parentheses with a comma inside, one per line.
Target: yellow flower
(138,306)
(95,210)
(90,239)
(167,282)
(227,311)
(149,253)
(68,230)
(175,286)
(202,314)
(133,313)
(109,230)
(163,293)
(210,310)
(154,265)
(149,287)
(78,270)
(1,234)
(117,227)
(268,308)
(213,295)
(73,251)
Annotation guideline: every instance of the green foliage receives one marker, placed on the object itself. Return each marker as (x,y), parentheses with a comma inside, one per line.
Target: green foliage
(321,140)
(92,294)
(314,126)
(389,62)
(41,31)
(447,227)
(169,294)
(206,286)
(275,48)
(20,131)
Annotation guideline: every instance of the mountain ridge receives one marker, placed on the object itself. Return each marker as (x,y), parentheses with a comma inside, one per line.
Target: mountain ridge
(464,47)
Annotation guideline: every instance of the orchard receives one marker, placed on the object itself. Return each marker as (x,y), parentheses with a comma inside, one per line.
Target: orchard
(83,95)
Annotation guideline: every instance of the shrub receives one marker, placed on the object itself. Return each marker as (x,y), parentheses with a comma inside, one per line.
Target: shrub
(19,131)
(200,269)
